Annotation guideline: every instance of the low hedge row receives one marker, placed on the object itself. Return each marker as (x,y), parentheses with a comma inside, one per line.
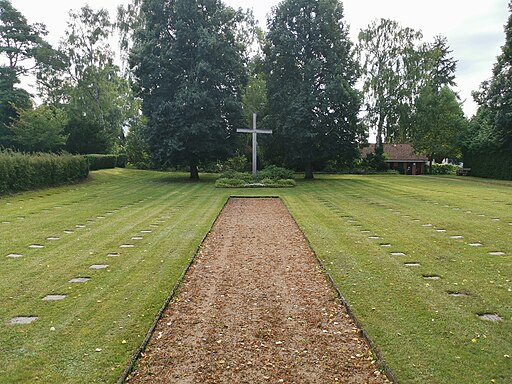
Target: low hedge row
(23,172)
(97,162)
(444,169)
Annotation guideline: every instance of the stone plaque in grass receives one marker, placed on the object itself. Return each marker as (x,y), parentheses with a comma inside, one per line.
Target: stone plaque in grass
(441,230)
(432,277)
(126,246)
(412,264)
(374,237)
(475,244)
(54,297)
(427,225)
(397,254)
(490,317)
(68,232)
(80,280)
(458,294)
(53,238)
(98,266)
(8,222)
(14,255)
(385,245)
(146,231)
(456,237)
(137,238)
(497,253)
(23,319)
(100,217)
(80,226)
(113,254)
(36,246)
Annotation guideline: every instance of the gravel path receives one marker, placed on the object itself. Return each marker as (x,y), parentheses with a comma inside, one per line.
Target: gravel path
(255,308)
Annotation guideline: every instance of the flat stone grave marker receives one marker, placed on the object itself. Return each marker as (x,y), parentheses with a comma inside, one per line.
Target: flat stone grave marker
(365,231)
(68,232)
(109,213)
(113,254)
(23,319)
(490,317)
(397,254)
(126,246)
(374,237)
(153,225)
(14,255)
(496,219)
(80,226)
(458,294)
(497,253)
(53,238)
(456,237)
(412,264)
(137,238)
(146,231)
(36,246)
(440,230)
(427,225)
(455,209)
(100,217)
(385,245)
(468,212)
(8,222)
(475,244)
(432,277)
(80,280)
(54,297)
(98,266)
(416,220)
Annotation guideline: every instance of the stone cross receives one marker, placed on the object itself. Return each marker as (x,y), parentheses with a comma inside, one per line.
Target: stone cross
(254,132)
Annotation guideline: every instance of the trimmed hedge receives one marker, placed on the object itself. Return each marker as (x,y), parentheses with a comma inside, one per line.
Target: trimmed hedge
(444,169)
(23,172)
(97,162)
(495,164)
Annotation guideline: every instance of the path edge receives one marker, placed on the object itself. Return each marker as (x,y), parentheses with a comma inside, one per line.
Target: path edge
(381,362)
(140,350)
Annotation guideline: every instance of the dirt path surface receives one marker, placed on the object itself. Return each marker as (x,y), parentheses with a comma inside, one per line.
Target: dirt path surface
(255,308)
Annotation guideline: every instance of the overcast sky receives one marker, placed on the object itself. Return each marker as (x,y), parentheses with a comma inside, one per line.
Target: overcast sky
(474,28)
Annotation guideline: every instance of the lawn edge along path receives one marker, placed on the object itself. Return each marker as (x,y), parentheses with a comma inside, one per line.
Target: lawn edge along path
(175,289)
(255,239)
(381,362)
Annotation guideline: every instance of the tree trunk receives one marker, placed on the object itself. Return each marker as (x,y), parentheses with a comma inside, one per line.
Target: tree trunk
(308,171)
(194,173)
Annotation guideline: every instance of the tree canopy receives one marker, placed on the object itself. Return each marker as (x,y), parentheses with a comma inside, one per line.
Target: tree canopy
(311,73)
(188,61)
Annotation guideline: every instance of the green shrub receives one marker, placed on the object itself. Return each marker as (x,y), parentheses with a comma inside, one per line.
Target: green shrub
(275,173)
(231,174)
(444,169)
(23,172)
(229,183)
(121,161)
(101,161)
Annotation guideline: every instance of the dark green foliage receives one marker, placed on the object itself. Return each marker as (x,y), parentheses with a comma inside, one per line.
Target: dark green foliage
(488,148)
(311,74)
(22,172)
(188,60)
(40,129)
(440,125)
(375,161)
(137,148)
(97,161)
(493,164)
(444,169)
(273,172)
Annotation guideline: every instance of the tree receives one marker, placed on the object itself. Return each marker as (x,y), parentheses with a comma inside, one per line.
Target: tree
(311,75)
(19,42)
(442,67)
(495,95)
(85,82)
(40,129)
(188,61)
(440,125)
(12,99)
(394,69)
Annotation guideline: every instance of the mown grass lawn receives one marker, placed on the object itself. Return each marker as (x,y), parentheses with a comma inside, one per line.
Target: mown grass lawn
(425,334)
